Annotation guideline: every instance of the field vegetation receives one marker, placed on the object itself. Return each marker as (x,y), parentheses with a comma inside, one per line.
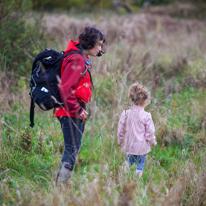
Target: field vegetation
(165,54)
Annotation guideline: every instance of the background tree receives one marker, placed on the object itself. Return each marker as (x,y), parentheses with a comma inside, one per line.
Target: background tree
(20,40)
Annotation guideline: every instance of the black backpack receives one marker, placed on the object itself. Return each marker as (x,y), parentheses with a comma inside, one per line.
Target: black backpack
(46,73)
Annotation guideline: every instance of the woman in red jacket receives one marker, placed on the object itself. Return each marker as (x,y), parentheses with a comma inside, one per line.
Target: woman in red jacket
(75,89)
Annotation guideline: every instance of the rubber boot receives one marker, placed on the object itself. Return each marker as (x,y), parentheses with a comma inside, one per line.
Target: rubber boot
(63,175)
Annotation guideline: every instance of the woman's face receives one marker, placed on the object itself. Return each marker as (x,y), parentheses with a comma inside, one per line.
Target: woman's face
(97,48)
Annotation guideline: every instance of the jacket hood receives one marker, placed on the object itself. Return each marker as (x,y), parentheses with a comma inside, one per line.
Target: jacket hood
(74,46)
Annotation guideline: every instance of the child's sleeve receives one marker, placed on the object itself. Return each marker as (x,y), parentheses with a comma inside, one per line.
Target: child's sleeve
(150,130)
(121,128)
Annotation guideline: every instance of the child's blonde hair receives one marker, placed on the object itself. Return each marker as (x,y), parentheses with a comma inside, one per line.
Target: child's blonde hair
(138,94)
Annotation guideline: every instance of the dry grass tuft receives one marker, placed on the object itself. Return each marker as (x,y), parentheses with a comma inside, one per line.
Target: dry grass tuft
(128,195)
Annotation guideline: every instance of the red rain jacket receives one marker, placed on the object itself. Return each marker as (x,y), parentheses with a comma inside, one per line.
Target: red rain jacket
(73,85)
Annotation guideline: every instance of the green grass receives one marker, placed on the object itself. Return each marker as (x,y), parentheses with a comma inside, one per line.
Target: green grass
(38,166)
(99,157)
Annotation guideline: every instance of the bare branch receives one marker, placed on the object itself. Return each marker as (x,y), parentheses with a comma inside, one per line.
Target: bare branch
(124,5)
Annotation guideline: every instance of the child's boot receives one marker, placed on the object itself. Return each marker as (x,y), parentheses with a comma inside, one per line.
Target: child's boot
(139,173)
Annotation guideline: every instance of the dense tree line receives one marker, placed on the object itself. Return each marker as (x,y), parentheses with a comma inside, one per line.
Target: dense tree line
(88,4)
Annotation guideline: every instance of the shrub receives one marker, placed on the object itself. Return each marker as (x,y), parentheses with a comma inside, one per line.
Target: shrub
(20,39)
(26,140)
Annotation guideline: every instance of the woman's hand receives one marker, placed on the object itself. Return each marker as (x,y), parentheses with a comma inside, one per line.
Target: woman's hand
(83,115)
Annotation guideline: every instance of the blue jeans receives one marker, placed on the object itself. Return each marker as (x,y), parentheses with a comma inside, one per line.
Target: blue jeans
(72,130)
(138,159)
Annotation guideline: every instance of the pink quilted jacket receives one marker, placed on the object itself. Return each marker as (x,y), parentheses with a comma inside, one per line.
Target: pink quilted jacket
(135,131)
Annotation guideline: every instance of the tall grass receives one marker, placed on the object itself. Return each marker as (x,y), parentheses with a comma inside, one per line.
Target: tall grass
(164,54)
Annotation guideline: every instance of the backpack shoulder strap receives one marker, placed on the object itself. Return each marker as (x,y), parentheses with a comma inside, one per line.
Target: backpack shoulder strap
(85,60)
(32,112)
(72,52)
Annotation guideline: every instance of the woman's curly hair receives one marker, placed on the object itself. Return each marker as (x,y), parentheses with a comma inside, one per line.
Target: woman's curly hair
(90,36)
(138,94)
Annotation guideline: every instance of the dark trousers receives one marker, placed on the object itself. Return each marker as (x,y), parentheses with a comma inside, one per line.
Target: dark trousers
(72,130)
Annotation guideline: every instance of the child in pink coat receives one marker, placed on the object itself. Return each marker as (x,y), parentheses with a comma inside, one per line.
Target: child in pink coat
(136,129)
